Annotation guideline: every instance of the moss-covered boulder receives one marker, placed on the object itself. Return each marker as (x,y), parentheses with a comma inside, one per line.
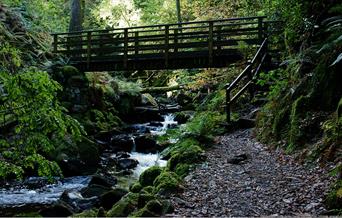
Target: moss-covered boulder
(86,213)
(108,199)
(167,183)
(144,198)
(190,155)
(135,188)
(147,190)
(149,175)
(125,206)
(154,208)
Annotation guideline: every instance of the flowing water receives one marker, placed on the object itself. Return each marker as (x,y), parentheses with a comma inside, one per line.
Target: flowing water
(47,194)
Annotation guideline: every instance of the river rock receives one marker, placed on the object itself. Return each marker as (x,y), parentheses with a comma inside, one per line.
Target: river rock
(127,163)
(60,209)
(77,202)
(103,181)
(122,154)
(145,144)
(94,190)
(182,117)
(156,124)
(122,143)
(108,199)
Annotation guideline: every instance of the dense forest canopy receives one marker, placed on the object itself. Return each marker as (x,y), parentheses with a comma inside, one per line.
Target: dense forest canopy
(56,121)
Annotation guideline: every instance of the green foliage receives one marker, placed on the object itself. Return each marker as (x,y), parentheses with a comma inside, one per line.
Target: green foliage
(206,123)
(41,123)
(10,57)
(52,15)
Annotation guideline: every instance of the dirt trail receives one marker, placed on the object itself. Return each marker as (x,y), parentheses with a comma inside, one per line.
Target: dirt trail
(267,182)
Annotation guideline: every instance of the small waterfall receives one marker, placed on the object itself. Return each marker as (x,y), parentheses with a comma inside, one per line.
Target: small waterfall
(134,148)
(146,161)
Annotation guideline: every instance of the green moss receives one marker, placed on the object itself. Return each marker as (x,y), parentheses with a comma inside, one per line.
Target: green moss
(167,182)
(70,71)
(334,198)
(148,189)
(149,175)
(125,206)
(86,213)
(299,109)
(136,187)
(144,198)
(30,214)
(190,155)
(182,169)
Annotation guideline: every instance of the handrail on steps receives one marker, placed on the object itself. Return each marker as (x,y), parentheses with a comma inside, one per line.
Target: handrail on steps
(250,71)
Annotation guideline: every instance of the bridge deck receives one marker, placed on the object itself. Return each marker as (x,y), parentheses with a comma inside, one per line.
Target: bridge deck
(202,44)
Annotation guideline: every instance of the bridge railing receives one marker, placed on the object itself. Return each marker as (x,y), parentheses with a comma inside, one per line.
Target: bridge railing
(161,41)
(249,73)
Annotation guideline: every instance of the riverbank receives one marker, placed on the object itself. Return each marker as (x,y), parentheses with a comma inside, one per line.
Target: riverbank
(243,177)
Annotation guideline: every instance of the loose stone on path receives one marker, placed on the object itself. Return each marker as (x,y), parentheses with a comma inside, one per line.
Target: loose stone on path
(242,177)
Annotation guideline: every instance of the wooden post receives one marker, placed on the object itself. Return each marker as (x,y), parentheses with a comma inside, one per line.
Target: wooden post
(219,38)
(125,48)
(167,33)
(228,109)
(260,29)
(55,43)
(136,43)
(211,43)
(88,49)
(176,41)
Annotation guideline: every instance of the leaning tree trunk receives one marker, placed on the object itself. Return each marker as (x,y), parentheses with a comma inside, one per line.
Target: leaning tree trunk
(76,16)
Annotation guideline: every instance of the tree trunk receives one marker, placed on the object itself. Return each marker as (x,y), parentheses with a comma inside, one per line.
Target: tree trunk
(76,16)
(178,8)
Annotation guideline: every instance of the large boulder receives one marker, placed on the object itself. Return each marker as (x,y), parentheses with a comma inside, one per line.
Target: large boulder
(103,181)
(122,143)
(127,163)
(125,206)
(94,190)
(59,209)
(108,199)
(146,144)
(148,176)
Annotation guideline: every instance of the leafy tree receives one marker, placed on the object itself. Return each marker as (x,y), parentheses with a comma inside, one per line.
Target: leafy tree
(41,124)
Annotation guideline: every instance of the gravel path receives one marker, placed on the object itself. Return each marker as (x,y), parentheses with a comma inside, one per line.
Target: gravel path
(268,182)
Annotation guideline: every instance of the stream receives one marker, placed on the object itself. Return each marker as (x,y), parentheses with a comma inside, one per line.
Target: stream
(36,191)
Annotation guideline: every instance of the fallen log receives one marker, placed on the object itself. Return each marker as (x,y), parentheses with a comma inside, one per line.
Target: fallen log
(161,89)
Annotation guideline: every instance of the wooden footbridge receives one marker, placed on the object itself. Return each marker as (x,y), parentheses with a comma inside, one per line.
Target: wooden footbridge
(202,44)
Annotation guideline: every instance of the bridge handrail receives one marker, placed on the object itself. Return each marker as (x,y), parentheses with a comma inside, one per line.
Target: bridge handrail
(161,25)
(250,72)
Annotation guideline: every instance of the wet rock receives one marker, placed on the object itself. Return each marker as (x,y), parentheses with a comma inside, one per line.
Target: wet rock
(156,124)
(122,154)
(103,181)
(57,210)
(108,199)
(145,144)
(182,117)
(122,143)
(127,163)
(94,190)
(76,201)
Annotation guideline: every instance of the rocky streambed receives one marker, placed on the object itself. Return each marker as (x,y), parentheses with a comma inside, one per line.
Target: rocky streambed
(126,156)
